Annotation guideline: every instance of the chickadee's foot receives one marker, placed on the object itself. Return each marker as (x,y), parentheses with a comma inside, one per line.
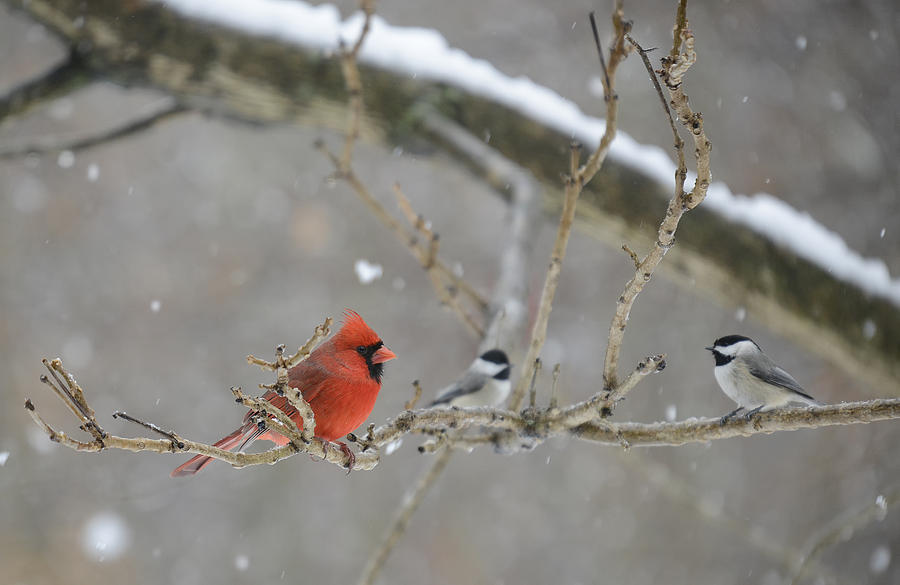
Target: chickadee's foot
(730,415)
(750,414)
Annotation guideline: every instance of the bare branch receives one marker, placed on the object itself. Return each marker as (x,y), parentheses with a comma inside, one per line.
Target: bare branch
(554,390)
(344,168)
(60,80)
(411,403)
(507,310)
(652,365)
(354,88)
(428,259)
(631,254)
(128,129)
(573,187)
(72,396)
(681,171)
(320,333)
(532,391)
(606,82)
(294,396)
(150,426)
(672,73)
(174,443)
(482,425)
(405,236)
(703,430)
(282,424)
(680,25)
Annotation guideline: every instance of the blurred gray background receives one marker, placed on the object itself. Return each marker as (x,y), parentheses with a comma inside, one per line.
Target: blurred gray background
(154,264)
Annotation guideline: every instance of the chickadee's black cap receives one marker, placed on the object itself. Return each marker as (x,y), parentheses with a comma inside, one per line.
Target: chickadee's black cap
(495,356)
(731,340)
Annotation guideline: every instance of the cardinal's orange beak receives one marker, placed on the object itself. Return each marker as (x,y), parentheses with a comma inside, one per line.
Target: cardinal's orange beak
(383,355)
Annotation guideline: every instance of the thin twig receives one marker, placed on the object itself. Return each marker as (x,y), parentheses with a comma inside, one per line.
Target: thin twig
(354,87)
(652,365)
(573,187)
(606,83)
(554,390)
(405,236)
(72,396)
(532,391)
(344,167)
(507,311)
(150,426)
(60,80)
(673,72)
(631,254)
(411,403)
(319,334)
(129,128)
(679,143)
(680,25)
(428,259)
(284,425)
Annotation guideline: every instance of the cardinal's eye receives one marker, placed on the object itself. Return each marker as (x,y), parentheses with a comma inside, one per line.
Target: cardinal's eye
(361,349)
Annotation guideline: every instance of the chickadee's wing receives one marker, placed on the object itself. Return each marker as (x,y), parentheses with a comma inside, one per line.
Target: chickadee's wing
(777,376)
(470,382)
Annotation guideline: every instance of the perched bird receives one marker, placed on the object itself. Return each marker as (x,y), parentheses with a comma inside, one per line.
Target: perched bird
(340,380)
(484,383)
(751,378)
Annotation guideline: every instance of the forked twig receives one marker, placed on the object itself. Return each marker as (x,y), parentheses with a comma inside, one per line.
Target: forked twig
(578,177)
(672,73)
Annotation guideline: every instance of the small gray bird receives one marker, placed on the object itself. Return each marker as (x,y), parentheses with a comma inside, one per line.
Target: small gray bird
(484,383)
(751,378)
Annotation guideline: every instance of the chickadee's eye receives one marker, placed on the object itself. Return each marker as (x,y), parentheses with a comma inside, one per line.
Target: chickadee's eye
(361,349)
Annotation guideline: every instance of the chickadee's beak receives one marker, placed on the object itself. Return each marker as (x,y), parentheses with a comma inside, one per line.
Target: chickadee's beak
(710,348)
(383,355)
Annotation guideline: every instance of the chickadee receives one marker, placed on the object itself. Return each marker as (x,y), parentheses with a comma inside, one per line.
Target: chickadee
(751,378)
(485,383)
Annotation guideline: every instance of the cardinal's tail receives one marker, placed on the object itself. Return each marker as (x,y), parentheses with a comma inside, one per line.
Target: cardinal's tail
(241,437)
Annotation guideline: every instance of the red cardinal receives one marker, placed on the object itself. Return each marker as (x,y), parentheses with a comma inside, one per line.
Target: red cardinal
(340,379)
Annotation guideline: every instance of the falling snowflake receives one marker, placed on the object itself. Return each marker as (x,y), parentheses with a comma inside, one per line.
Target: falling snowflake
(367,271)
(105,537)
